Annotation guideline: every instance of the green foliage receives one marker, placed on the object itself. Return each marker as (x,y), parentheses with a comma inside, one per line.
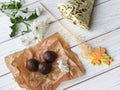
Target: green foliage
(15,7)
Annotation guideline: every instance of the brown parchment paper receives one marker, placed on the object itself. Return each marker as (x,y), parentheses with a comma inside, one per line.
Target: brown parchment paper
(16,62)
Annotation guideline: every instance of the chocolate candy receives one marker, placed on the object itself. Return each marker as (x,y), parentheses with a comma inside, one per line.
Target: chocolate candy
(45,67)
(49,56)
(32,65)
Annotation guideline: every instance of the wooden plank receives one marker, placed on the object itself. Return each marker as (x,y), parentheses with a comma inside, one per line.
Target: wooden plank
(52,6)
(8,83)
(89,35)
(99,2)
(111,43)
(101,24)
(31,1)
(92,71)
(107,81)
(4,25)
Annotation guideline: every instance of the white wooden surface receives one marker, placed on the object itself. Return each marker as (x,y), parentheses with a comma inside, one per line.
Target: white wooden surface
(105,31)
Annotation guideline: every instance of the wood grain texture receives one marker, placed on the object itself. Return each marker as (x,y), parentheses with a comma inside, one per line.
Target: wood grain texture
(107,81)
(8,83)
(104,32)
(92,71)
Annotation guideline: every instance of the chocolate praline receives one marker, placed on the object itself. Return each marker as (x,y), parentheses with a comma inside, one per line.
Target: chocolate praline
(49,56)
(32,65)
(45,67)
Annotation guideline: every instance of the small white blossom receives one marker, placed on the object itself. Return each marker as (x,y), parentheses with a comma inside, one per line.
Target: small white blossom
(38,11)
(28,41)
(63,65)
(39,28)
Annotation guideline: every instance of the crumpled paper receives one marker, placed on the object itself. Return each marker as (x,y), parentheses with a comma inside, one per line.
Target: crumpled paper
(16,62)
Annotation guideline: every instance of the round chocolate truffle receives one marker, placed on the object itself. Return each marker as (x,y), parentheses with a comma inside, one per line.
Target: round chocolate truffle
(45,67)
(49,56)
(32,65)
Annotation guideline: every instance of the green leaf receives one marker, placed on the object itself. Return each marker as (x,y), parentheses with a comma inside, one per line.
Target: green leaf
(103,60)
(11,5)
(18,5)
(14,30)
(25,10)
(32,17)
(19,19)
(13,20)
(33,79)
(44,76)
(12,8)
(106,56)
(3,5)
(14,5)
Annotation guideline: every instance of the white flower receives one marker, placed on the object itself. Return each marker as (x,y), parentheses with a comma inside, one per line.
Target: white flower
(63,65)
(39,28)
(38,11)
(29,40)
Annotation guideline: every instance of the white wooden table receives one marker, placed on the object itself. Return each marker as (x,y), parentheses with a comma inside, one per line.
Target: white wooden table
(105,32)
